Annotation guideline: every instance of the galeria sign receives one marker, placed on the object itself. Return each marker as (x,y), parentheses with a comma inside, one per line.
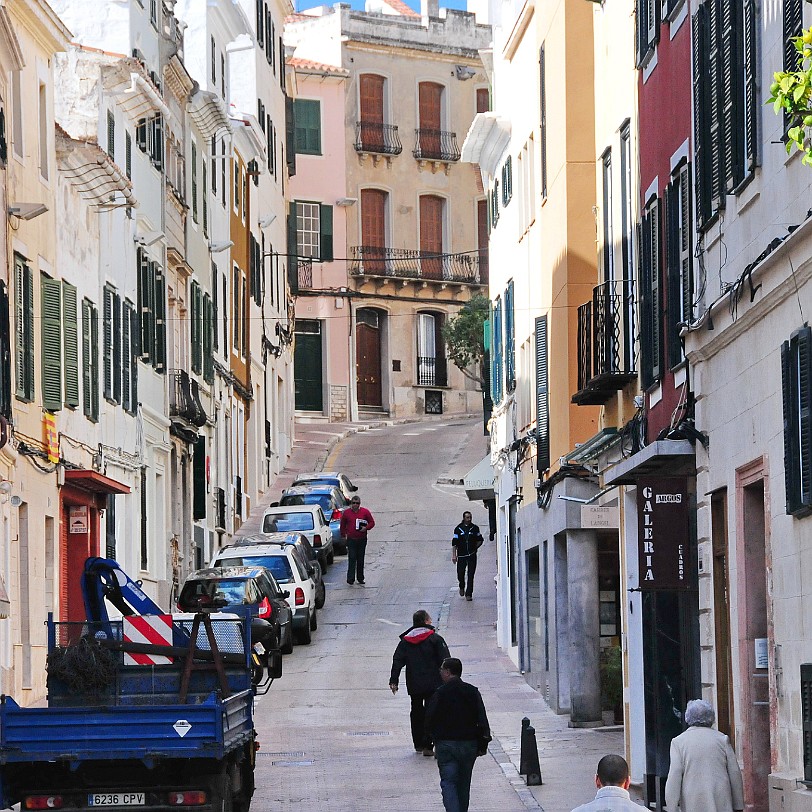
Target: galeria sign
(663,533)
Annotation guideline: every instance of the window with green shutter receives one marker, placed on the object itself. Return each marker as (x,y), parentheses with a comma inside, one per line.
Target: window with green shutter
(90,360)
(542,397)
(307,117)
(24,338)
(111,350)
(196,328)
(796,380)
(151,312)
(209,322)
(5,353)
(70,335)
(194,182)
(51,338)
(199,485)
(111,135)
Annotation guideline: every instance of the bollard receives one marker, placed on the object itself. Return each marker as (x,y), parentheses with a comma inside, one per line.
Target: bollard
(529,757)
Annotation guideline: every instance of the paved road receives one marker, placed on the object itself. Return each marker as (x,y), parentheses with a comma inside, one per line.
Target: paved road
(332,735)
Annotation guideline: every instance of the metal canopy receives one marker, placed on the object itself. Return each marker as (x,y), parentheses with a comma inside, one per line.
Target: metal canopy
(478,482)
(661,458)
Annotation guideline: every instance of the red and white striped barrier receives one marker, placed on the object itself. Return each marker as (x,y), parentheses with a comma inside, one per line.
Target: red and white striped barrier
(156,629)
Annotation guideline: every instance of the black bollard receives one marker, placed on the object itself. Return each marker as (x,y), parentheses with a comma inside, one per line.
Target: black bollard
(529,759)
(523,739)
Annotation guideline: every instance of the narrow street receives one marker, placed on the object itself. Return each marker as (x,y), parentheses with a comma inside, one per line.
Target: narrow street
(332,734)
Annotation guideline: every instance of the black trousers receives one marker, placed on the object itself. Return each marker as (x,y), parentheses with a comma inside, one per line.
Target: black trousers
(417,716)
(467,562)
(355,559)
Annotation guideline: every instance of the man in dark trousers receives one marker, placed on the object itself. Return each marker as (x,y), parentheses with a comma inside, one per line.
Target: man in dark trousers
(465,542)
(356,521)
(421,650)
(457,720)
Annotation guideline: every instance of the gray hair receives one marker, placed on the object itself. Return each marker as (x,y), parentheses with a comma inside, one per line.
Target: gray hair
(699,713)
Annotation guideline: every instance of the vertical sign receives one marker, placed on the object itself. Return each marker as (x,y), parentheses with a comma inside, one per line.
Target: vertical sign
(664,533)
(51,438)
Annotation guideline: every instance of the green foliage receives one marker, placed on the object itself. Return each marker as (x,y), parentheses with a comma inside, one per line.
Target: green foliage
(791,92)
(463,335)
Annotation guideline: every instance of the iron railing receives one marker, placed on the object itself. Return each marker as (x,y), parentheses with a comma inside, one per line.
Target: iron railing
(184,398)
(605,348)
(435,145)
(432,371)
(305,273)
(370,136)
(401,263)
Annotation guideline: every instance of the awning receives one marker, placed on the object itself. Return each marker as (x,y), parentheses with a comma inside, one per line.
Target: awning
(5,603)
(661,458)
(94,482)
(478,482)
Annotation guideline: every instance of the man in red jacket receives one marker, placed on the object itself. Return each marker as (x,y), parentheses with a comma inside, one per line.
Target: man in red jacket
(355,522)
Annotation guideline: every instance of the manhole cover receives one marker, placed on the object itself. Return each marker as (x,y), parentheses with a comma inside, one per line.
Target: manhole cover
(370,733)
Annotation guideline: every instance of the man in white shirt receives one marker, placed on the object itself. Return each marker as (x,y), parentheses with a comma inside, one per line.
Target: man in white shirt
(612,781)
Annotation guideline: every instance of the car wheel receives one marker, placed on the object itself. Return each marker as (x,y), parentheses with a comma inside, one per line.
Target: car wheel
(287,645)
(305,634)
(321,595)
(314,621)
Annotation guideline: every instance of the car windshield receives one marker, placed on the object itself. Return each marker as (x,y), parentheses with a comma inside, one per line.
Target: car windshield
(279,522)
(323,499)
(278,565)
(206,593)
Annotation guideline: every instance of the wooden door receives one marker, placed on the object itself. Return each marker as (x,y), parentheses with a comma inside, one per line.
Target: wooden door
(482,239)
(368,364)
(371,93)
(431,236)
(373,229)
(430,97)
(307,365)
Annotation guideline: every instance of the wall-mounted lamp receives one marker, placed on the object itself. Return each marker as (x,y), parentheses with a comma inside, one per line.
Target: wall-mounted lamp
(149,238)
(27,211)
(6,486)
(266,221)
(217,247)
(463,72)
(346,201)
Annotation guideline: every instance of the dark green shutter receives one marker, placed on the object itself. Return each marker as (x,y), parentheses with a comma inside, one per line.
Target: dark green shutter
(716,102)
(806,719)
(51,337)
(107,347)
(71,338)
(205,197)
(24,307)
(111,135)
(307,117)
(672,272)
(751,100)
(731,105)
(208,333)
(796,363)
(793,27)
(195,331)
(542,397)
(215,331)
(87,368)
(293,259)
(126,357)
(194,182)
(160,318)
(199,479)
(326,235)
(128,155)
(145,298)
(702,153)
(656,292)
(117,348)
(135,352)
(290,135)
(510,340)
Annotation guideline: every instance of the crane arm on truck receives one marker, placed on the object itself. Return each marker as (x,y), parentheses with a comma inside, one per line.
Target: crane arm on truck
(104,580)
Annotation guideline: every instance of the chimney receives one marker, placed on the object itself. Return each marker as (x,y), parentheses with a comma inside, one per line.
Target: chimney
(429,8)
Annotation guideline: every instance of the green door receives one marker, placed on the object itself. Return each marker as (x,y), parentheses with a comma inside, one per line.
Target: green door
(307,366)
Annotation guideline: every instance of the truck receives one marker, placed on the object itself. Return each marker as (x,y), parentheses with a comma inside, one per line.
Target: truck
(149,711)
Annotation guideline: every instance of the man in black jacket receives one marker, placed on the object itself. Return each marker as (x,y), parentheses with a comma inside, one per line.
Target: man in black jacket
(457,721)
(421,650)
(467,539)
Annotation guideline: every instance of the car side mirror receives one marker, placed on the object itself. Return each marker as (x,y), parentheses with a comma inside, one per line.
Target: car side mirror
(285,593)
(275,663)
(354,488)
(274,504)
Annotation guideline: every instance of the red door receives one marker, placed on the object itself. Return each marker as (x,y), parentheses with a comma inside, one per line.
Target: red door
(430,96)
(482,239)
(74,549)
(371,92)
(431,236)
(373,230)
(368,363)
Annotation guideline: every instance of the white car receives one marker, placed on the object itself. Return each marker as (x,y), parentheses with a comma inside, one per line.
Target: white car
(310,521)
(290,571)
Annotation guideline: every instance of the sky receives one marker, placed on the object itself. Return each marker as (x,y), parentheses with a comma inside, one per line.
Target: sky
(359,4)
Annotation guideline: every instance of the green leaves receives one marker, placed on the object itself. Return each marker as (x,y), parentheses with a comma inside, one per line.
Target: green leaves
(791,93)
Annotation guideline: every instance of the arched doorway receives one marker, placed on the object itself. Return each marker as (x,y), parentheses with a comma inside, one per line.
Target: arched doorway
(368,357)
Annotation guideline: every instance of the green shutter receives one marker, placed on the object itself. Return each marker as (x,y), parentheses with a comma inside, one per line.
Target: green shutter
(542,397)
(194,182)
(135,351)
(199,479)
(51,336)
(87,368)
(126,357)
(326,236)
(70,333)
(208,335)
(159,289)
(196,339)
(94,354)
(20,327)
(107,348)
(117,348)
(145,313)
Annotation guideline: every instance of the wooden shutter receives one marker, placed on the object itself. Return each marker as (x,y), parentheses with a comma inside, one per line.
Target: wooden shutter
(543,123)
(107,349)
(194,182)
(116,348)
(196,338)
(51,338)
(431,236)
(5,353)
(686,245)
(111,135)
(701,90)
(715,105)
(126,357)
(542,397)
(260,22)
(497,375)
(731,89)
(430,99)
(71,338)
(482,239)
(641,20)
(510,339)
(24,317)
(483,100)
(806,719)
(145,296)
(796,378)
(205,196)
(751,100)
(656,294)
(672,273)
(209,322)
(646,356)
(199,480)
(308,126)
(135,352)
(87,365)
(290,135)
(160,318)
(128,155)
(371,89)
(326,232)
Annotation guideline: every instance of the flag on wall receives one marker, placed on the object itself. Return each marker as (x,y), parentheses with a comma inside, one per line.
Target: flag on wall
(51,440)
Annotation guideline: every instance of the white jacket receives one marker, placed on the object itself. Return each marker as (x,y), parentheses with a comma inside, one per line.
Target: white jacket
(610,799)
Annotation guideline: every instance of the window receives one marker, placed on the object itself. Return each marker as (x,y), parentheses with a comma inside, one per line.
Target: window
(307,115)
(255,271)
(496,351)
(793,27)
(43,132)
(111,348)
(223,77)
(542,397)
(153,12)
(24,318)
(215,331)
(128,155)
(223,187)
(270,145)
(725,102)
(507,181)
(806,710)
(16,114)
(495,203)
(196,325)
(152,311)
(510,339)
(314,230)
(607,243)
(260,22)
(432,236)
(678,261)
(236,168)
(237,304)
(90,360)
(796,379)
(209,324)
(129,357)
(432,369)
(543,119)
(3,143)
(149,137)
(371,92)
(650,305)
(70,336)
(648,29)
(5,352)
(627,246)
(483,100)
(205,197)
(213,46)
(194,181)
(111,135)
(51,341)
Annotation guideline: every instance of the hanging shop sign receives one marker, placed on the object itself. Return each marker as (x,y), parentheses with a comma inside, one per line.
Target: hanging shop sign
(663,533)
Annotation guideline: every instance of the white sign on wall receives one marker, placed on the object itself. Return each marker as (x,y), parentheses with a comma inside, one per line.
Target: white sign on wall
(595,517)
(78,519)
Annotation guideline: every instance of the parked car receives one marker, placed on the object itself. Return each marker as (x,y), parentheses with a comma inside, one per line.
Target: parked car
(306,519)
(290,570)
(301,543)
(214,588)
(341,481)
(331,500)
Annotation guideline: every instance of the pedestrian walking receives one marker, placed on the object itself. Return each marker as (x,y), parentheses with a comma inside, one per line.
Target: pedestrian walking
(465,542)
(704,775)
(421,651)
(612,780)
(356,522)
(457,722)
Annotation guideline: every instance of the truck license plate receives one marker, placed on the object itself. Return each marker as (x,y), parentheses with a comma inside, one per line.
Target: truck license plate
(116,799)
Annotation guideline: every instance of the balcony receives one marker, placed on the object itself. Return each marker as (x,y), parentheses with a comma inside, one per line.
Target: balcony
(432,371)
(381,139)
(185,409)
(436,145)
(605,350)
(400,263)
(305,273)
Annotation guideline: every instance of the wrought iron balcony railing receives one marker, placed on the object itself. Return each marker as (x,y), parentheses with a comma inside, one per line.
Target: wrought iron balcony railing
(400,263)
(184,398)
(305,273)
(432,371)
(371,136)
(435,145)
(605,345)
